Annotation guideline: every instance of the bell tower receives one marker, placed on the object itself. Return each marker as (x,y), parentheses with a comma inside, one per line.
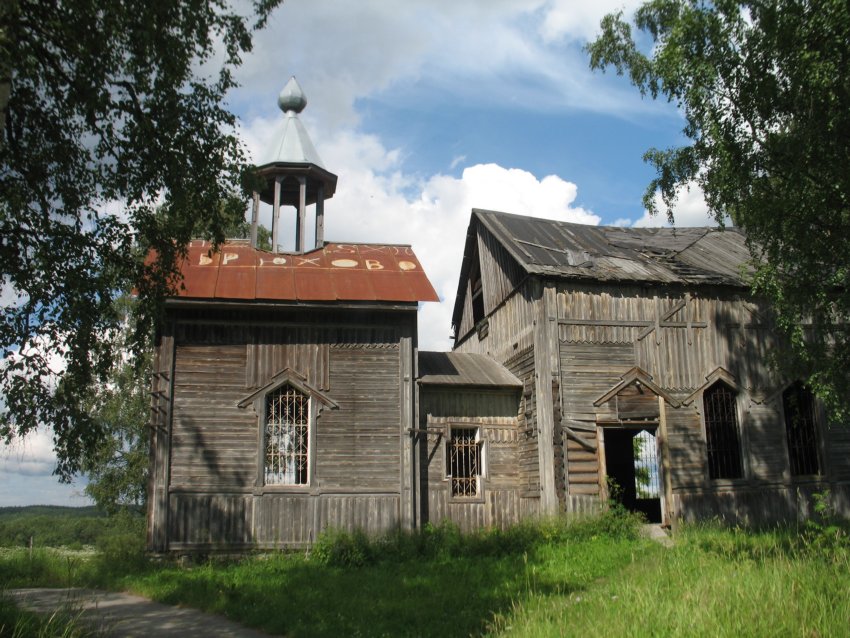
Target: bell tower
(293,175)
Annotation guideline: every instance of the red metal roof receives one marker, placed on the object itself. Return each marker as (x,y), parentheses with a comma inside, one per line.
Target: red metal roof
(336,272)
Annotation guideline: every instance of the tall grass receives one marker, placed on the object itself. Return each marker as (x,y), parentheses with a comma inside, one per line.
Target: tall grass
(715,582)
(434,583)
(62,623)
(592,577)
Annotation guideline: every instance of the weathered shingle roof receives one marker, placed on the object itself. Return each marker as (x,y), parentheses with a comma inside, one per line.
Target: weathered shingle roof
(605,253)
(455,368)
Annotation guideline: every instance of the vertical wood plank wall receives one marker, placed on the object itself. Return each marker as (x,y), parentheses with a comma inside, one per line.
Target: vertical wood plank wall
(599,341)
(679,336)
(504,500)
(213,501)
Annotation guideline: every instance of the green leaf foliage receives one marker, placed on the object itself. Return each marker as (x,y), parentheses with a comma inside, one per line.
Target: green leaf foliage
(764,88)
(115,143)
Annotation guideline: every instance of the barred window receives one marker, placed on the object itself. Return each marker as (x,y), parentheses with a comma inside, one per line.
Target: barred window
(286,437)
(798,402)
(464,461)
(721,432)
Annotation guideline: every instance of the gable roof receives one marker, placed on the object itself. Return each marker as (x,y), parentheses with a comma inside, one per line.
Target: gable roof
(608,253)
(334,272)
(455,368)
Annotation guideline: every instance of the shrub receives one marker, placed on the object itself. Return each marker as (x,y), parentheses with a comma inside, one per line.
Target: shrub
(122,549)
(338,548)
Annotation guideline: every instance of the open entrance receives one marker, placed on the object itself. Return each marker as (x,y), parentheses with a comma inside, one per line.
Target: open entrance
(631,462)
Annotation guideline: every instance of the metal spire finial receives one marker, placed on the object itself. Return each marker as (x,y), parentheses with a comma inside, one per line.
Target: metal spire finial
(292,98)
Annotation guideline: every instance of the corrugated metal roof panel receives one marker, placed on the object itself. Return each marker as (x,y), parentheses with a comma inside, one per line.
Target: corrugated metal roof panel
(345,272)
(455,368)
(667,255)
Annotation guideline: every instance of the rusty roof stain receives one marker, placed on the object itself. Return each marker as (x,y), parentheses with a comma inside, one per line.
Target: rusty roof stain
(464,369)
(335,272)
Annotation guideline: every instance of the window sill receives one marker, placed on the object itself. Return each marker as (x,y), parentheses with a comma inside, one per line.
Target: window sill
(282,489)
(460,500)
(726,482)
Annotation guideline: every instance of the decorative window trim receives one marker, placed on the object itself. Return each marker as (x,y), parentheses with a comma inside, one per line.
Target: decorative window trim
(637,376)
(316,401)
(719,374)
(481,476)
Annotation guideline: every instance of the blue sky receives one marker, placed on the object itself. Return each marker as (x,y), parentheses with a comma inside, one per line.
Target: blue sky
(426,109)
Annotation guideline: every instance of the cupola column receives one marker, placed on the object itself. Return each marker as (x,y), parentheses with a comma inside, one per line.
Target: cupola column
(320,217)
(293,175)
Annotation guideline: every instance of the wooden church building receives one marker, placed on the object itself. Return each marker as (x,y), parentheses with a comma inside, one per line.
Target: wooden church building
(284,381)
(644,369)
(289,394)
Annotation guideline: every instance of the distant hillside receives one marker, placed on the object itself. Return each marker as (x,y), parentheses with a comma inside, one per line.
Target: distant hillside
(58,526)
(49,510)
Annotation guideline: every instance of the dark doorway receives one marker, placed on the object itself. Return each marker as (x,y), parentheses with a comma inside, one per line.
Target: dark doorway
(631,461)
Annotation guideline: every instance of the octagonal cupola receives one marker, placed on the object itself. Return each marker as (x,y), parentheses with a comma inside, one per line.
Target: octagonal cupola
(292,174)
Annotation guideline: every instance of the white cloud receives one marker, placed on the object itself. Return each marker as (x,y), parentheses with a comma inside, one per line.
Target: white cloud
(10,295)
(579,19)
(504,52)
(690,210)
(32,455)
(376,201)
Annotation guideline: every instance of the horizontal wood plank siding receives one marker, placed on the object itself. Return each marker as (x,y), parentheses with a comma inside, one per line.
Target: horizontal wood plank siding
(359,444)
(214,502)
(214,443)
(494,413)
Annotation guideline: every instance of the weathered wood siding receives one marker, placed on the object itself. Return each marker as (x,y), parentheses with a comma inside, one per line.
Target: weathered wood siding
(522,366)
(500,276)
(503,499)
(510,329)
(160,439)
(680,338)
(210,483)
(214,443)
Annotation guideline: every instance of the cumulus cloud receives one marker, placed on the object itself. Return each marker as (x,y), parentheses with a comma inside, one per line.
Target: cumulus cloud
(498,53)
(690,210)
(376,201)
(579,19)
(32,455)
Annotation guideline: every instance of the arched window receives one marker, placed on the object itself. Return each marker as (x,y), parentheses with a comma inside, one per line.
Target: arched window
(798,403)
(721,432)
(287,437)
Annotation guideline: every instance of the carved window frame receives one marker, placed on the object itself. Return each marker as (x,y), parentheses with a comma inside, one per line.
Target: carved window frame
(316,401)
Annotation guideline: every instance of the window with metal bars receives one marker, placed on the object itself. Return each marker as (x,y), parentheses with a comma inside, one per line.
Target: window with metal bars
(721,432)
(798,403)
(287,437)
(463,462)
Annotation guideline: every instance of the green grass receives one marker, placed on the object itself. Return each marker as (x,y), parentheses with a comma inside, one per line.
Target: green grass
(588,578)
(714,582)
(64,623)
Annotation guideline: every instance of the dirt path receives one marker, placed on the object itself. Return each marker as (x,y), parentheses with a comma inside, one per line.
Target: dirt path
(119,614)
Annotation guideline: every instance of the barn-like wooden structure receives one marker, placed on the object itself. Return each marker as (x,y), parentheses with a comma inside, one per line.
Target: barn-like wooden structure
(643,358)
(589,363)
